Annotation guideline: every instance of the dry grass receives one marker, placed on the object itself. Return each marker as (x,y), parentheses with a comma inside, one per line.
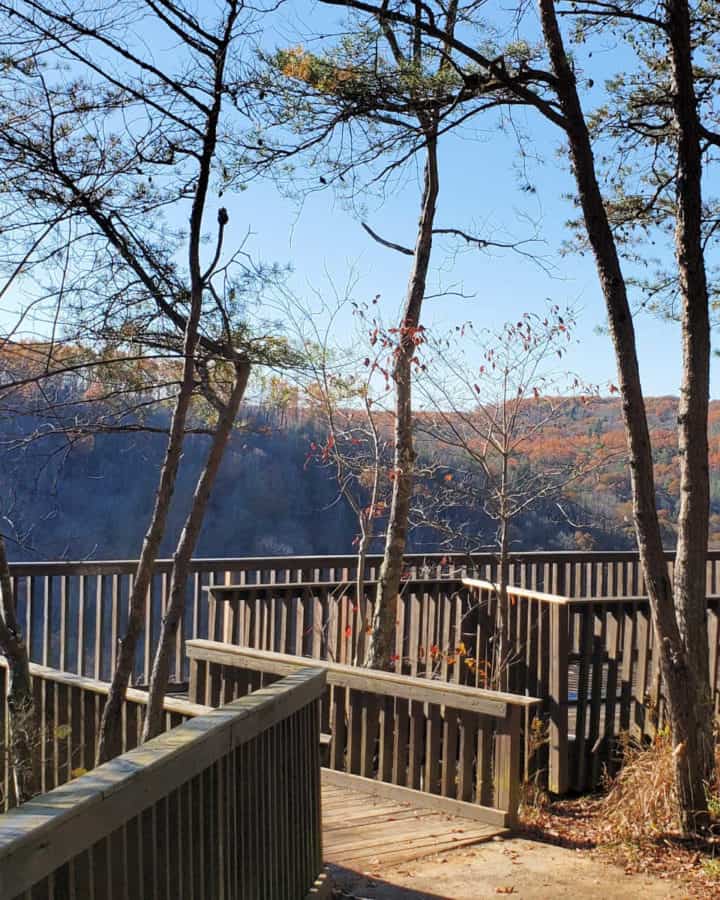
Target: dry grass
(641,802)
(634,823)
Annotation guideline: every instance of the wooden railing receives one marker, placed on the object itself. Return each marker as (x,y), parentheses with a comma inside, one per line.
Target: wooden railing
(227,805)
(68,710)
(458,743)
(74,612)
(594,662)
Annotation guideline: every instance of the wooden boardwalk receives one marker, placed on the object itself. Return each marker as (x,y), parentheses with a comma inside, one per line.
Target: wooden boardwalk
(364,832)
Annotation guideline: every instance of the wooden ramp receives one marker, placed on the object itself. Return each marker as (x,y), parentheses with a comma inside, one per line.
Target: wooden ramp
(362,831)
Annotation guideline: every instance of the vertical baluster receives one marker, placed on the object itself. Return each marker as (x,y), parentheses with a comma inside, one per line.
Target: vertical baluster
(433,734)
(416,744)
(47,631)
(400,744)
(558,775)
(613,619)
(385,750)
(370,713)
(449,775)
(586,648)
(413,606)
(338,743)
(629,614)
(63,630)
(483,731)
(458,765)
(99,629)
(713,648)
(643,656)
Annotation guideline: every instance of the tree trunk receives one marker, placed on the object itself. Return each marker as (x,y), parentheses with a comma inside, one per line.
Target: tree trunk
(183,555)
(21,708)
(109,744)
(501,663)
(691,552)
(381,645)
(680,679)
(366,535)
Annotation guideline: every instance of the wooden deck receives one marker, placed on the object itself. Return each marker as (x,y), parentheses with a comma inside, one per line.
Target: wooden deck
(364,832)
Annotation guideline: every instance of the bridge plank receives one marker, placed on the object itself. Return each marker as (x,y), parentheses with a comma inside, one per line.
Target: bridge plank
(362,830)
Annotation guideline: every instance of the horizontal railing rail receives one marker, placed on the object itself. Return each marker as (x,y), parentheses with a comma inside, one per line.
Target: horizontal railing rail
(226,805)
(455,742)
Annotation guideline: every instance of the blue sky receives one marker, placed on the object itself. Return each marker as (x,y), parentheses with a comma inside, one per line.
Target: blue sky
(479,192)
(321,238)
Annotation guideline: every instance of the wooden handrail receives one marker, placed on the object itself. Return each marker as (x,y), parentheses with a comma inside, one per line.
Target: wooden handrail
(171,704)
(512,591)
(559,599)
(491,703)
(39,837)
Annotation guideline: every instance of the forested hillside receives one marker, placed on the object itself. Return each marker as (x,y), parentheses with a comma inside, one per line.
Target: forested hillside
(91,498)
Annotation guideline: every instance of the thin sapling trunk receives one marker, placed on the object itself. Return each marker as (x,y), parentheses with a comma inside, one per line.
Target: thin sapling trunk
(184,551)
(381,646)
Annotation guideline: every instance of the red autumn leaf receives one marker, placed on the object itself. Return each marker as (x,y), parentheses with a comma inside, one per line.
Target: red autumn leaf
(348,631)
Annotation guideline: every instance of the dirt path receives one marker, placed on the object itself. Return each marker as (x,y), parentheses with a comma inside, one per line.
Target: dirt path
(512,866)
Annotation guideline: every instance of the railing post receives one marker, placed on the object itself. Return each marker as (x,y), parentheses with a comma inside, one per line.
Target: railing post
(507,763)
(197,688)
(558,768)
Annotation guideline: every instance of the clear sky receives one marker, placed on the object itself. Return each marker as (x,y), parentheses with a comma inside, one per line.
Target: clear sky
(321,238)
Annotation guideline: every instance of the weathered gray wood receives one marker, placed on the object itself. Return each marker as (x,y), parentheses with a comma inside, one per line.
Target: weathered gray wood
(558,767)
(433,734)
(405,713)
(507,764)
(493,703)
(416,799)
(45,834)
(526,593)
(267,590)
(586,649)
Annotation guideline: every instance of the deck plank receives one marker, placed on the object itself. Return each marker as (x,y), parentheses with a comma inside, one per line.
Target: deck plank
(362,831)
